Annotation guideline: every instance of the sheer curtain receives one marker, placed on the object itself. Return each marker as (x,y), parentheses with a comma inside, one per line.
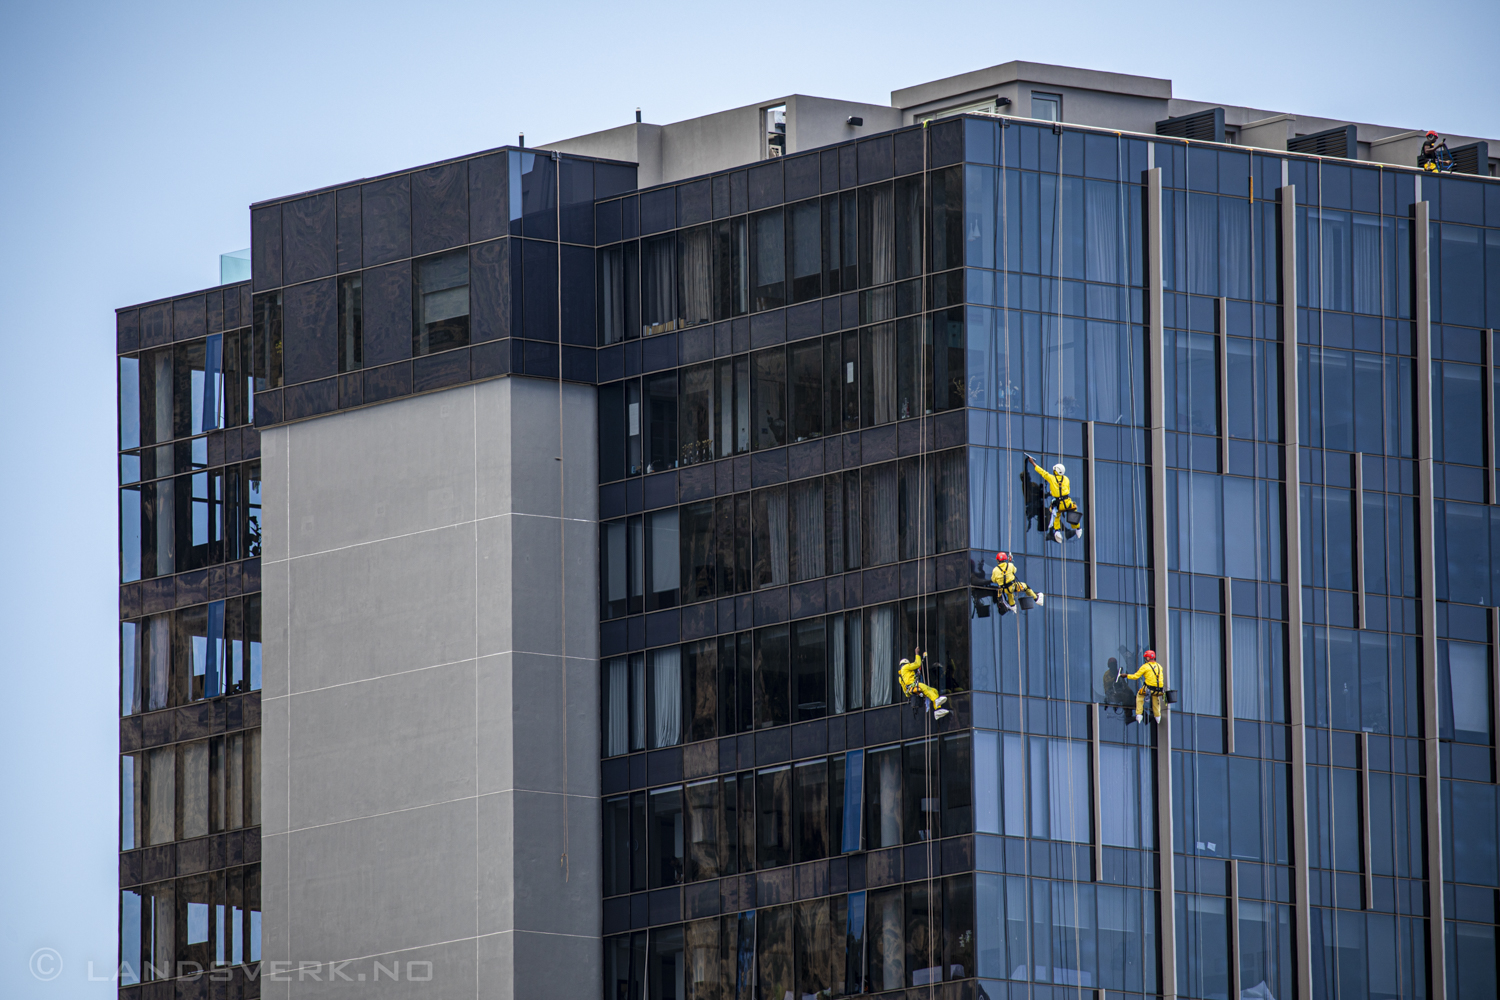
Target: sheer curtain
(882,375)
(695,287)
(1234,248)
(807,529)
(1203,244)
(950,501)
(1257,670)
(1102,208)
(1366,231)
(880,514)
(656,283)
(837,664)
(666,696)
(616,707)
(1200,662)
(882,653)
(1126,804)
(638,701)
(776,524)
(612,294)
(882,234)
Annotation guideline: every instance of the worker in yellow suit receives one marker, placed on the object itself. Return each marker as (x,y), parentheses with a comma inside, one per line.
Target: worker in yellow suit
(1066,517)
(1003,576)
(1154,680)
(910,671)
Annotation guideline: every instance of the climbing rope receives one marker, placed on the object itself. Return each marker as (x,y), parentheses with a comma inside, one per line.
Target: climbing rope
(562,520)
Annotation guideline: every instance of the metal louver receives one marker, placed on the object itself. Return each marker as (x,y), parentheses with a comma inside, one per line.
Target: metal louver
(1200,126)
(1330,142)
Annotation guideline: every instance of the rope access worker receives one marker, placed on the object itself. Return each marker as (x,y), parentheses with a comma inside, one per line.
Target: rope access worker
(1434,153)
(1066,518)
(1003,576)
(1154,680)
(910,671)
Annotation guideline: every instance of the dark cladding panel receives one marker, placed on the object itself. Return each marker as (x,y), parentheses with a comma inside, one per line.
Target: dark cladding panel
(387,220)
(309,331)
(439,208)
(310,228)
(387,314)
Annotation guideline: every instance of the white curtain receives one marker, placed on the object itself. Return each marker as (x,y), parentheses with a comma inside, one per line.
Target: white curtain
(612,293)
(777,529)
(854,661)
(882,653)
(1203,244)
(1366,263)
(882,234)
(666,564)
(695,248)
(638,701)
(1102,206)
(837,664)
(1126,804)
(616,707)
(807,528)
(666,696)
(1109,377)
(1199,647)
(1234,247)
(882,363)
(880,514)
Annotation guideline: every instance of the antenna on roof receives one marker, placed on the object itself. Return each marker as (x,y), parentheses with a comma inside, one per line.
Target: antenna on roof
(523,140)
(637,116)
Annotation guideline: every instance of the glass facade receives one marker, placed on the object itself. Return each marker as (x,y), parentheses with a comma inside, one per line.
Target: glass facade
(1271,377)
(190,642)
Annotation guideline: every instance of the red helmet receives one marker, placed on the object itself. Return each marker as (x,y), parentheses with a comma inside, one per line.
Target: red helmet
(1002,556)
(1432,135)
(1149,654)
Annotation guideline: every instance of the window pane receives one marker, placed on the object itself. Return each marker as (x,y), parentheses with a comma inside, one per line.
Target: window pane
(666,836)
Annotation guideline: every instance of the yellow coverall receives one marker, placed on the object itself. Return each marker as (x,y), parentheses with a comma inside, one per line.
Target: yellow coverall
(909,683)
(1003,576)
(1062,498)
(1155,682)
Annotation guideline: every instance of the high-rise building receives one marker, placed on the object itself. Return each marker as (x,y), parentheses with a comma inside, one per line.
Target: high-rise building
(515,569)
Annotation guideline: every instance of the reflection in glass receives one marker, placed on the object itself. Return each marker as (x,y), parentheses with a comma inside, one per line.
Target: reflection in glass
(441,302)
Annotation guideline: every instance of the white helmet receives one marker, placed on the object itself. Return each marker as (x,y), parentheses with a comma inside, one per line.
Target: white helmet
(1059,470)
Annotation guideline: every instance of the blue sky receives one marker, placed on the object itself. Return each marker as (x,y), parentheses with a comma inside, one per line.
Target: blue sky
(132,138)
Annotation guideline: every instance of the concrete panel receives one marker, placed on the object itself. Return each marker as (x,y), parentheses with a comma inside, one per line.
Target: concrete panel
(570,966)
(395,724)
(275,942)
(394,743)
(496,749)
(816,121)
(520,593)
(348,491)
(930,96)
(273,497)
(381,884)
(634,142)
(382,608)
(518,421)
(274,717)
(544,899)
(443,971)
(713,142)
(1268,133)
(275,652)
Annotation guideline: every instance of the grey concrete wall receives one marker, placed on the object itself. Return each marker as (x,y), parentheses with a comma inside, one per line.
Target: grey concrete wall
(418,785)
(817,121)
(636,142)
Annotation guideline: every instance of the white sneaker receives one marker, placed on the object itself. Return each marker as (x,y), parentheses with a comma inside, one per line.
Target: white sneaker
(1078,533)
(1057,537)
(942,700)
(940,713)
(1039,599)
(1139,720)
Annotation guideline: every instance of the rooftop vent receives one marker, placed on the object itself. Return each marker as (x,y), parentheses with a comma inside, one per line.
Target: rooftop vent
(1471,159)
(1200,126)
(1330,142)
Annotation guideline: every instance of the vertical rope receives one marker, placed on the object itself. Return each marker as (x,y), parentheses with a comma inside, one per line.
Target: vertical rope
(562,516)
